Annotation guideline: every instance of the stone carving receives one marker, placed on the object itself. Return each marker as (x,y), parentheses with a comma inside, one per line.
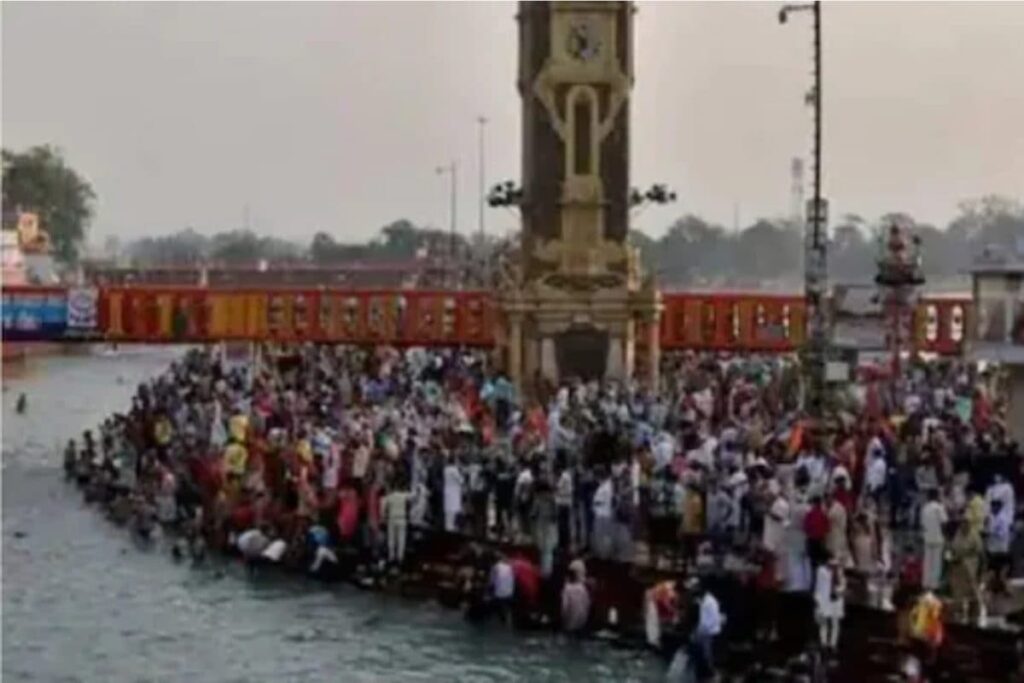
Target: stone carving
(583,283)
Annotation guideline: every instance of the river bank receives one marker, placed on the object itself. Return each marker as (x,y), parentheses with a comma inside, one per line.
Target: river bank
(83,603)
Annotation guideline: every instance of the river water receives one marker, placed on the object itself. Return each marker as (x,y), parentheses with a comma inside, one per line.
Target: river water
(81,602)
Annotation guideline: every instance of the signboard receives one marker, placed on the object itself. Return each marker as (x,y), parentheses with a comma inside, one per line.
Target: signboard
(34,315)
(860,323)
(837,371)
(861,334)
(83,308)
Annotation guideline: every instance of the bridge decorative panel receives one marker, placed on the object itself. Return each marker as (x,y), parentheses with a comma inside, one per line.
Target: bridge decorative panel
(747,322)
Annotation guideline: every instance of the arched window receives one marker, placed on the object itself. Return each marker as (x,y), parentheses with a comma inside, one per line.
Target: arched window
(582,161)
(582,151)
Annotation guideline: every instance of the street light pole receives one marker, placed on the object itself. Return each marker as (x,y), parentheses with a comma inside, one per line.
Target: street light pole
(481,197)
(482,178)
(815,261)
(452,170)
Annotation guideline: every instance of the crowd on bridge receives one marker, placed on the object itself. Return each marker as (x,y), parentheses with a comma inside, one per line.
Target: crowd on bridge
(339,461)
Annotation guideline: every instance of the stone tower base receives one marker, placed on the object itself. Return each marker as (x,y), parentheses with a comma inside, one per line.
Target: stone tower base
(554,335)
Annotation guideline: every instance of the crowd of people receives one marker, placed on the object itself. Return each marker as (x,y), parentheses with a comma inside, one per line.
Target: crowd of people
(324,457)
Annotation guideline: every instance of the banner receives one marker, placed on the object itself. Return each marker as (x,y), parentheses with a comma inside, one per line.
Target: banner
(34,315)
(83,308)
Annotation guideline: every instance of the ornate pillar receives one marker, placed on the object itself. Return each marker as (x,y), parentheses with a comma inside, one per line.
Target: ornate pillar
(515,349)
(629,349)
(654,351)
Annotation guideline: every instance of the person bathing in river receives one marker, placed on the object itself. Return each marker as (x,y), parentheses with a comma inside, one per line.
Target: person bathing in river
(70,459)
(502,587)
(661,610)
(526,604)
(575,603)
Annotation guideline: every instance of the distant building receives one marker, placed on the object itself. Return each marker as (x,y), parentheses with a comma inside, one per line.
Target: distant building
(998,329)
(27,251)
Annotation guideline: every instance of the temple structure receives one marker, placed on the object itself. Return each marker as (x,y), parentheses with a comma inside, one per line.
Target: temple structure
(577,303)
(998,324)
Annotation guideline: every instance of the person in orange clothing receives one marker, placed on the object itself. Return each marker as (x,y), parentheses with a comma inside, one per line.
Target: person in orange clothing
(527,589)
(661,609)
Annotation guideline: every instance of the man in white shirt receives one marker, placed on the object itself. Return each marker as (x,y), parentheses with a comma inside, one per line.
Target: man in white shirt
(453,481)
(998,534)
(395,511)
(708,627)
(877,473)
(775,521)
(503,586)
(933,519)
(1002,491)
(564,490)
(603,521)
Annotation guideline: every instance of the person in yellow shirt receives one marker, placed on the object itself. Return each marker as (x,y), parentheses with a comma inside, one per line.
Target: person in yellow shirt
(974,513)
(238,426)
(236,456)
(305,452)
(163,431)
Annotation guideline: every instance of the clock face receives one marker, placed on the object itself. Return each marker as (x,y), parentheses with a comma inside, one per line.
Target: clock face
(583,43)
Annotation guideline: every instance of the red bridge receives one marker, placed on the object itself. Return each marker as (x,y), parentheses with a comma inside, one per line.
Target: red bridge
(750,322)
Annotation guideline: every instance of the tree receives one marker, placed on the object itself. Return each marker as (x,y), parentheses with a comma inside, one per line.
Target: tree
(38,180)
(401,239)
(647,246)
(238,247)
(851,256)
(693,250)
(767,251)
(186,247)
(325,251)
(991,220)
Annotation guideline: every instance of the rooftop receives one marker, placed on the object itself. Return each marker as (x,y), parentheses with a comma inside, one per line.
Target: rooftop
(995,259)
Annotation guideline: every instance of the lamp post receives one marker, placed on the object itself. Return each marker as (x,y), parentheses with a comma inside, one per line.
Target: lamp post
(482,177)
(482,193)
(815,260)
(452,170)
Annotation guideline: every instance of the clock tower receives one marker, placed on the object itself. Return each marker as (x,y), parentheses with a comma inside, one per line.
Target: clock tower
(579,299)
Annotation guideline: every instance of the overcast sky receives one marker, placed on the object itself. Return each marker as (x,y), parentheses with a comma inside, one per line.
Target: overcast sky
(323,116)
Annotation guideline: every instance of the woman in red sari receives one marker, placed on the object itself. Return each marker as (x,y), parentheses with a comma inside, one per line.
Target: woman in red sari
(348,511)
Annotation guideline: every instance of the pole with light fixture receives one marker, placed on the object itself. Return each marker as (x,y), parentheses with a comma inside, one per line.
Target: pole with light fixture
(452,170)
(815,259)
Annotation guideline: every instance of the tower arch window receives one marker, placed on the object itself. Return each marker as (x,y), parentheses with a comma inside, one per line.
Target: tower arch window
(582,153)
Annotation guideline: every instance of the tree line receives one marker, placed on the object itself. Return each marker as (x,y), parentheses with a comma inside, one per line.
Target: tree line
(695,252)
(397,241)
(691,252)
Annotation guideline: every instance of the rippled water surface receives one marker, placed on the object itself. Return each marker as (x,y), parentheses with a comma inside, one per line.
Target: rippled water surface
(82,603)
